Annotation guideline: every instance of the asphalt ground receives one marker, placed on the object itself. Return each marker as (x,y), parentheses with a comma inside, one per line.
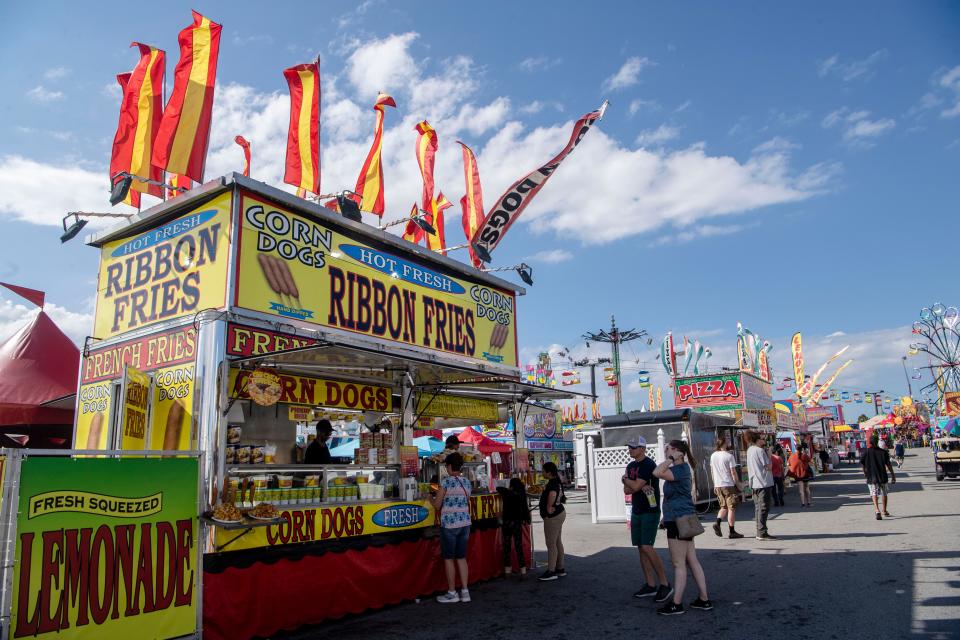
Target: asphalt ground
(834,572)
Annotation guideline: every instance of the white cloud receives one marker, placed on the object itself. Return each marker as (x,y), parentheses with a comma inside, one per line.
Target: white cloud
(776,144)
(550,256)
(863,69)
(858,129)
(638,105)
(382,65)
(112,91)
(43,95)
(950,81)
(56,73)
(655,137)
(683,106)
(14,316)
(534,64)
(628,75)
(698,232)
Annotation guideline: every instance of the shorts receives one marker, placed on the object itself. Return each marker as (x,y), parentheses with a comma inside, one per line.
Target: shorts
(453,542)
(643,528)
(728,497)
(877,490)
(672,532)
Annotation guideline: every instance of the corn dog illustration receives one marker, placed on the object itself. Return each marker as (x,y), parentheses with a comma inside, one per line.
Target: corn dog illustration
(171,431)
(266,266)
(286,279)
(96,430)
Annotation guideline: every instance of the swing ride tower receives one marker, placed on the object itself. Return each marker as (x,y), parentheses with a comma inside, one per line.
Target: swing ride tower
(615,337)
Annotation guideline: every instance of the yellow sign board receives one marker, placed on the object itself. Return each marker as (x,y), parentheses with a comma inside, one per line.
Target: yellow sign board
(318,392)
(446,406)
(295,266)
(170,271)
(299,413)
(133,410)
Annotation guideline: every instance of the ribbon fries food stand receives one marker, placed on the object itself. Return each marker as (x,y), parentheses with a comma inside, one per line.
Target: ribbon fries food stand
(226,317)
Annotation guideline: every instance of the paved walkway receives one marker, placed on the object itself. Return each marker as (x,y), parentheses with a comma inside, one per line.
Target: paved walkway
(834,572)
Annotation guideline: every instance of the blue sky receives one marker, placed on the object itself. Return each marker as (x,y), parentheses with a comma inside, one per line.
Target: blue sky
(791,168)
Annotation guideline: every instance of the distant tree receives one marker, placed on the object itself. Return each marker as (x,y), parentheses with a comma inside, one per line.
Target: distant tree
(863,418)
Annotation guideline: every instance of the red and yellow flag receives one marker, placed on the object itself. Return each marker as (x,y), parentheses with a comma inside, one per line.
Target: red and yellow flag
(240,140)
(426,151)
(411,232)
(370,183)
(438,241)
(181,145)
(140,110)
(182,182)
(472,202)
(303,136)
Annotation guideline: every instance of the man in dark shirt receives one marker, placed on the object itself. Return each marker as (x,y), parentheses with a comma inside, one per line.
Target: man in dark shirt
(644,488)
(876,463)
(317,452)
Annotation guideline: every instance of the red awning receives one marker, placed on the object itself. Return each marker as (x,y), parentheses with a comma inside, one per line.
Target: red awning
(37,364)
(485,445)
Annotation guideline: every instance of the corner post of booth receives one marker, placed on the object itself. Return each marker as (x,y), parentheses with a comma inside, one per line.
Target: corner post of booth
(408,403)
(592,480)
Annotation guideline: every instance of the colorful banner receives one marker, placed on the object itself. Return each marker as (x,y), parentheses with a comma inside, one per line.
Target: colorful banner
(318,392)
(511,204)
(445,406)
(135,394)
(796,351)
(170,271)
(471,204)
(757,392)
(815,398)
(542,425)
(816,376)
(743,354)
(294,266)
(720,392)
(951,403)
(659,399)
(106,548)
(170,356)
(370,181)
(334,522)
(303,135)
(667,356)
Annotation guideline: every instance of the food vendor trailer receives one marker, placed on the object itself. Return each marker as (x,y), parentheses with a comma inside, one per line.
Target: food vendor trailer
(230,315)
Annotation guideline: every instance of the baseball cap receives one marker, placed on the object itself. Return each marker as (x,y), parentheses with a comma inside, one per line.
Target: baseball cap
(639,441)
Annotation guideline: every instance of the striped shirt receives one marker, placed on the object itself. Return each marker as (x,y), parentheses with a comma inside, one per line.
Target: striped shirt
(456,503)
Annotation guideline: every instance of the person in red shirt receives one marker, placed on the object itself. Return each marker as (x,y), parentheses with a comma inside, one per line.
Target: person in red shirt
(779,472)
(799,465)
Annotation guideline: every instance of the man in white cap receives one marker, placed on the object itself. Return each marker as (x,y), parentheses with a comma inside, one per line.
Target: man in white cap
(640,483)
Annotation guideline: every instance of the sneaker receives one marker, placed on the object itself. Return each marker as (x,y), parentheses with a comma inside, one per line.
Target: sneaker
(766,536)
(547,575)
(464,595)
(671,609)
(523,573)
(449,597)
(716,530)
(879,517)
(704,605)
(663,593)
(646,591)
(734,535)
(886,514)
(561,573)
(507,572)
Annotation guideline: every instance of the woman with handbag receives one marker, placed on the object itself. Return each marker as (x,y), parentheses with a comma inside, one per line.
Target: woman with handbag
(682,525)
(553,514)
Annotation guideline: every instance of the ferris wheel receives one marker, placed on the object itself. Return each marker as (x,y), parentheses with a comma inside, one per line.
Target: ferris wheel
(940,342)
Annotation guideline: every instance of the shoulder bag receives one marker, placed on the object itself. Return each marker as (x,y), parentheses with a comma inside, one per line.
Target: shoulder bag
(689,527)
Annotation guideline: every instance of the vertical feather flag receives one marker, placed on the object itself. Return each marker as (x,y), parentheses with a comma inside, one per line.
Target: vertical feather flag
(659,398)
(438,241)
(815,398)
(370,183)
(426,150)
(303,135)
(796,352)
(140,112)
(411,232)
(472,202)
(240,140)
(184,134)
(650,393)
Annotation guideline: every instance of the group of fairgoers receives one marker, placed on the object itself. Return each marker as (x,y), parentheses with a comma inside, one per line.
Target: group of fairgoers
(651,510)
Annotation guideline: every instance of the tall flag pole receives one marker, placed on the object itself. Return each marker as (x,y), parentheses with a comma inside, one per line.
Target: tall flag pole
(426,151)
(472,202)
(370,182)
(511,204)
(184,134)
(140,111)
(438,241)
(240,140)
(303,135)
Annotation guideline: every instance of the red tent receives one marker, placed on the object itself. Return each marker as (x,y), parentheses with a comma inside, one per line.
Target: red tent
(37,364)
(485,445)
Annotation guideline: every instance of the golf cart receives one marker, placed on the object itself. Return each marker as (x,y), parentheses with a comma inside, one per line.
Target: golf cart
(946,457)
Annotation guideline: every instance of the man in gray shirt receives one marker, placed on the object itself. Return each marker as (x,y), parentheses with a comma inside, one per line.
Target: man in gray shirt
(761,481)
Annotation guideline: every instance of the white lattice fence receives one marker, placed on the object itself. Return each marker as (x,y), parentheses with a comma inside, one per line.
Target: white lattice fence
(607,467)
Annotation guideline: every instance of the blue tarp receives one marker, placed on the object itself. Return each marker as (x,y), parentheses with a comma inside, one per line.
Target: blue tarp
(428,445)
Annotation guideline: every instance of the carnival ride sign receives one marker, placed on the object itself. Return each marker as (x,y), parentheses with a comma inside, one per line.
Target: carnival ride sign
(295,266)
(170,271)
(316,392)
(720,392)
(105,548)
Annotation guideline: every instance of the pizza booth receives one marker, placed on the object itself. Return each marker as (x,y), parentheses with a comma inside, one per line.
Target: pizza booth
(228,320)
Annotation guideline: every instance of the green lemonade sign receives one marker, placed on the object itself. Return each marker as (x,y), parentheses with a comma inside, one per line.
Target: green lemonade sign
(106,548)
